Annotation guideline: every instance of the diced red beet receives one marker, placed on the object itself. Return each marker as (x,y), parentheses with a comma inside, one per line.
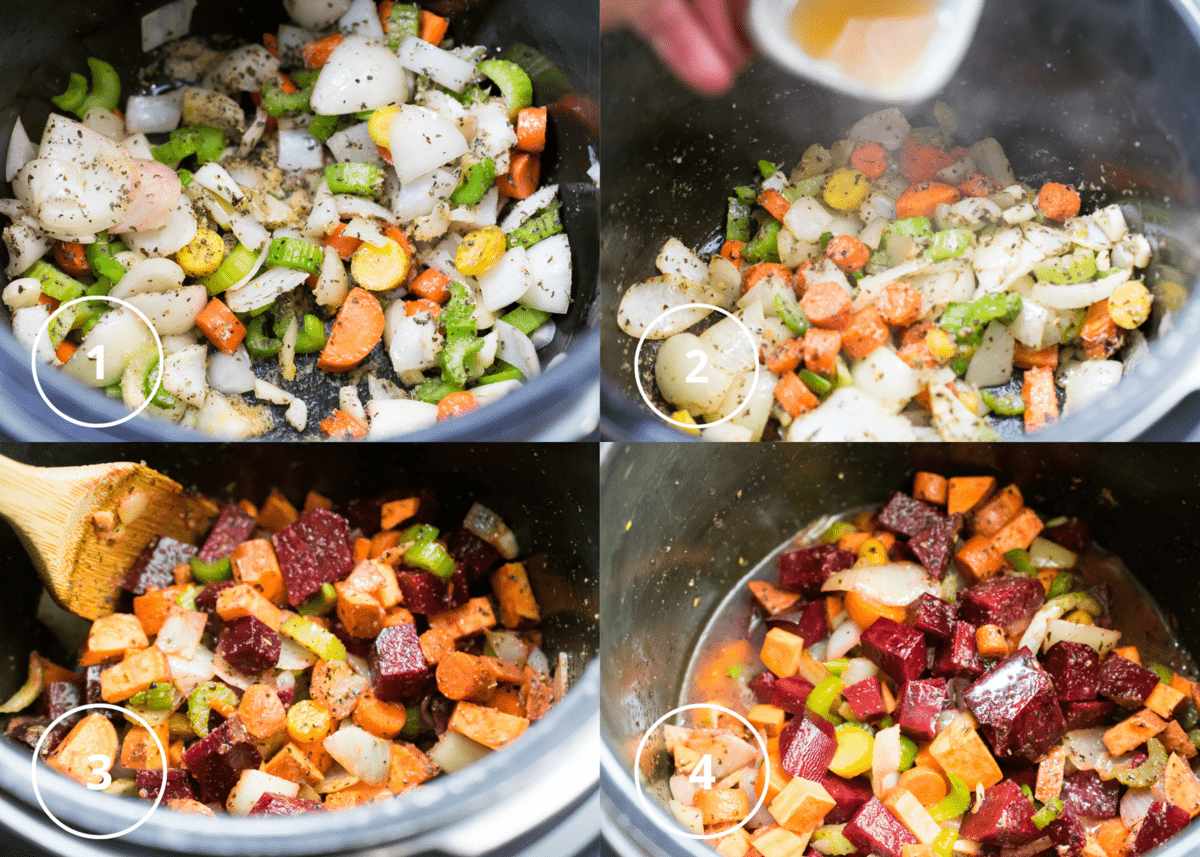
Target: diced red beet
(325,532)
(28,731)
(475,555)
(874,830)
(1162,822)
(790,694)
(866,699)
(233,527)
(217,760)
(806,746)
(155,566)
(803,570)
(934,545)
(458,592)
(906,517)
(918,705)
(275,804)
(250,645)
(61,697)
(808,622)
(848,794)
(1075,668)
(302,576)
(762,685)
(1068,834)
(1017,708)
(932,615)
(960,656)
(179,784)
(1125,682)
(206,598)
(1004,818)
(1005,601)
(1074,535)
(92,694)
(424,593)
(899,650)
(1087,713)
(399,665)
(1087,795)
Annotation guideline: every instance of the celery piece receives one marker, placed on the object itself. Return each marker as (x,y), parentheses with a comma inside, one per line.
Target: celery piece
(432,557)
(737,221)
(767,169)
(200,703)
(234,267)
(211,572)
(916,227)
(949,243)
(833,534)
(501,371)
(525,319)
(313,637)
(1078,267)
(821,387)
(954,804)
(1010,405)
(55,283)
(320,602)
(288,252)
(514,83)
(355,178)
(908,752)
(1019,560)
(478,181)
(765,246)
(792,316)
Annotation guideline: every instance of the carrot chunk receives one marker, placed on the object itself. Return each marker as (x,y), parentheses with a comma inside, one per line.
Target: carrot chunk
(1058,202)
(316,53)
(795,397)
(899,304)
(923,198)
(864,334)
(827,305)
(357,329)
(1041,401)
(220,326)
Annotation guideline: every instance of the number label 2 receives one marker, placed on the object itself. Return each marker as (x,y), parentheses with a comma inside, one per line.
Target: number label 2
(694,377)
(702,774)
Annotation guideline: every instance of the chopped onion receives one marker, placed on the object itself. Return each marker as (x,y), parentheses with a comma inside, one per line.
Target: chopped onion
(399,416)
(244,69)
(264,289)
(646,301)
(175,311)
(683,789)
(181,633)
(443,67)
(550,268)
(287,349)
(25,246)
(20,151)
(888,127)
(1135,803)
(455,751)
(22,293)
(859,669)
(895,584)
(249,231)
(26,322)
(360,74)
(486,524)
(231,674)
(413,342)
(543,336)
(332,285)
(293,656)
(360,753)
(153,114)
(122,334)
(148,276)
(232,374)
(219,418)
(252,785)
(363,19)
(843,639)
(885,759)
(1044,553)
(489,393)
(214,177)
(165,23)
(172,236)
(299,150)
(421,196)
(189,672)
(349,205)
(506,281)
(1079,295)
(366,231)
(355,144)
(185,373)
(268,392)
(1029,849)
(422,140)
(1103,640)
(1055,608)
(1085,748)
(516,349)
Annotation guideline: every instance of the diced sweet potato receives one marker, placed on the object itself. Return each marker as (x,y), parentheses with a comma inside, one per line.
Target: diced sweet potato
(781,652)
(722,806)
(775,841)
(874,830)
(1017,707)
(471,618)
(912,814)
(1179,786)
(930,487)
(134,674)
(1164,700)
(1177,741)
(968,493)
(998,511)
(93,735)
(111,637)
(360,613)
(233,527)
(139,752)
(254,564)
(398,663)
(1018,533)
(736,843)
(803,570)
(959,750)
(980,558)
(292,764)
(899,650)
(241,600)
(801,806)
(772,598)
(409,767)
(486,725)
(518,608)
(1133,732)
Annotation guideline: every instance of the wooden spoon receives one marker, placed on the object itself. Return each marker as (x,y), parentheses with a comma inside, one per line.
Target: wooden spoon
(84,526)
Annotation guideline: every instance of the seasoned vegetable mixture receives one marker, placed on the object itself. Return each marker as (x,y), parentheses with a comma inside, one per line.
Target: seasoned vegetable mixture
(345,184)
(939,678)
(303,662)
(896,287)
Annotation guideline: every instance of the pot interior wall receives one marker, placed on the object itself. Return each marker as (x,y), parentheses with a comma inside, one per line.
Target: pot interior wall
(682,524)
(1093,93)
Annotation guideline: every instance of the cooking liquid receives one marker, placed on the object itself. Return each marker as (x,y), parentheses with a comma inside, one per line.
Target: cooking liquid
(875,41)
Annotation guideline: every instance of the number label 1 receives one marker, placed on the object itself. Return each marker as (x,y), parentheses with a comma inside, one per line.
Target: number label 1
(97,354)
(694,377)
(701,774)
(100,763)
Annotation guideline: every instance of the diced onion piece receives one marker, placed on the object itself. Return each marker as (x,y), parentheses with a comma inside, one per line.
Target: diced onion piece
(333,284)
(20,150)
(844,638)
(896,584)
(1103,640)
(181,633)
(26,322)
(299,150)
(165,23)
(646,301)
(147,276)
(443,67)
(393,417)
(355,144)
(489,526)
(1044,553)
(422,140)
(506,281)
(885,376)
(360,753)
(214,177)
(264,289)
(316,14)
(252,785)
(121,333)
(231,374)
(525,208)
(360,74)
(992,363)
(455,751)
(185,374)
(174,311)
(885,759)
(245,69)
(515,348)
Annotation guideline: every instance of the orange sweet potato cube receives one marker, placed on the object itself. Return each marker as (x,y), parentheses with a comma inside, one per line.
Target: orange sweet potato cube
(134,674)
(243,599)
(254,563)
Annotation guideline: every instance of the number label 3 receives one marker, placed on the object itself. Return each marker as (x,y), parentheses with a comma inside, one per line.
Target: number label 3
(701,774)
(694,377)
(100,765)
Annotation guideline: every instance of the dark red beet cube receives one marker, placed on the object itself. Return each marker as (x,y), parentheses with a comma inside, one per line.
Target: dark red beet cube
(1009,602)
(849,795)
(1091,797)
(399,665)
(918,705)
(1074,535)
(458,589)
(932,615)
(934,545)
(1088,713)
(1017,708)
(874,830)
(424,593)
(327,536)
(92,694)
(806,746)
(206,598)
(250,645)
(1075,668)
(302,576)
(1005,818)
(960,656)
(899,650)
(155,567)
(866,699)
(61,697)
(1125,682)
(273,804)
(808,622)
(790,694)
(1162,822)
(906,517)
(1068,834)
(28,731)
(179,784)
(472,553)
(217,760)
(233,527)
(803,570)
(762,686)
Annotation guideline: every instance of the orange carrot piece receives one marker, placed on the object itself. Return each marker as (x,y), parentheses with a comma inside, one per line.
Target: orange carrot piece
(432,285)
(1025,357)
(220,326)
(966,493)
(420,305)
(433,28)
(381,719)
(523,174)
(870,159)
(821,349)
(923,198)
(276,512)
(756,273)
(64,351)
(341,426)
(992,518)
(531,129)
(865,332)
(1018,533)
(271,43)
(1100,335)
(382,541)
(775,203)
(261,712)
(930,487)
(991,642)
(922,163)
(918,356)
(397,512)
(341,245)
(313,500)
(977,185)
(899,304)
(732,251)
(1058,202)
(865,612)
(795,397)
(71,257)
(362,549)
(772,598)
(979,557)
(1041,402)
(357,329)
(385,13)
(46,300)
(785,358)
(316,53)
(456,404)
(847,252)
(827,305)
(287,84)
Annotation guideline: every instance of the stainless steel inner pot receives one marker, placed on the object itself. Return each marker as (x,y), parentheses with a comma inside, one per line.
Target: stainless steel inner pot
(538,796)
(1098,93)
(40,45)
(677,521)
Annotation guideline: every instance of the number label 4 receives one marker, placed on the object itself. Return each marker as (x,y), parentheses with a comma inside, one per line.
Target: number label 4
(702,774)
